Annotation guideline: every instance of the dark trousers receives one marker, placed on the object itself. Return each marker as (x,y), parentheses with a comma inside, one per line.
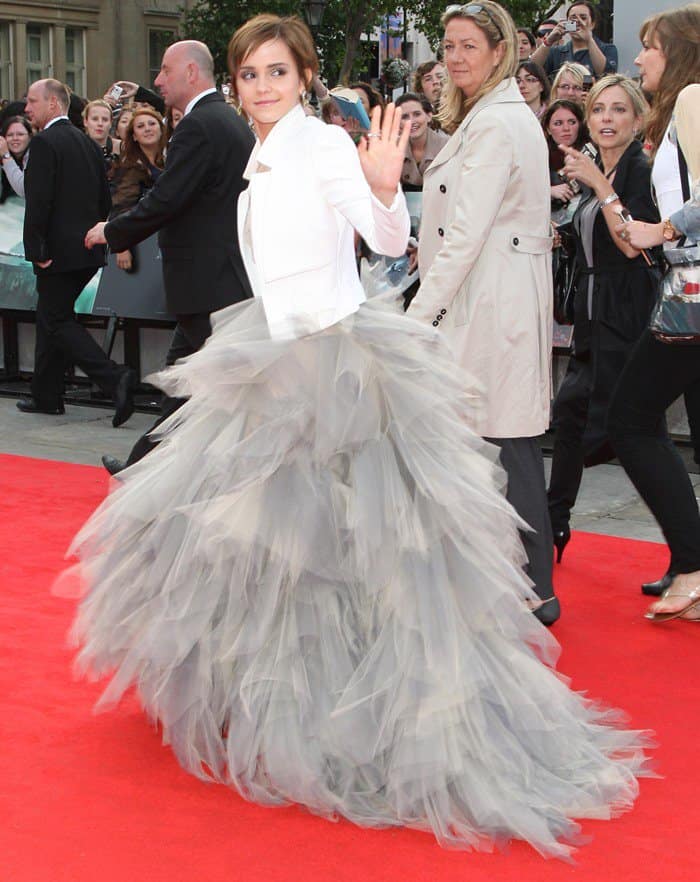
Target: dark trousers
(190,334)
(655,376)
(522,460)
(569,417)
(62,341)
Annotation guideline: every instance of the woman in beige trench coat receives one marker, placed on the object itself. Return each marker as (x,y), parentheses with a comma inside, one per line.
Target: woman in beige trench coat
(485,258)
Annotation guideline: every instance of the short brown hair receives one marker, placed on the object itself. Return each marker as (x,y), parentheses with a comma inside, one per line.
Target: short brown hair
(290,29)
(421,71)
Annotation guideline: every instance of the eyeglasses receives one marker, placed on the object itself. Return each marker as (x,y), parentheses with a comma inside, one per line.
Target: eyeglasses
(543,33)
(475,9)
(567,87)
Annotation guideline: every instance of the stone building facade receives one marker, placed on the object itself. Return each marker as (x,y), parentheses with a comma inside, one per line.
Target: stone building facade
(87,44)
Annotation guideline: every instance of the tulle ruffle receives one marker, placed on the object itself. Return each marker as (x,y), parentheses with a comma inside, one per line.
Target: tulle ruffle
(315,584)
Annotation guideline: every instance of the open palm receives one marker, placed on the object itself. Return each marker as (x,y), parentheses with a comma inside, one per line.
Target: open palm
(382,151)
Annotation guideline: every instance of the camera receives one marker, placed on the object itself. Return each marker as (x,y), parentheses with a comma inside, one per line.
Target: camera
(570,26)
(116,92)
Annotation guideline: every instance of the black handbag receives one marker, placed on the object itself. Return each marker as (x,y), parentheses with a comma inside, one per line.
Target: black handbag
(566,272)
(676,316)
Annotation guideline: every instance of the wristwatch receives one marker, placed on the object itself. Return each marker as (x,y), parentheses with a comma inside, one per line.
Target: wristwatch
(670,232)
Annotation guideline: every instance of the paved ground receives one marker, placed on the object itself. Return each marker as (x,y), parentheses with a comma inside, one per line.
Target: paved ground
(607,502)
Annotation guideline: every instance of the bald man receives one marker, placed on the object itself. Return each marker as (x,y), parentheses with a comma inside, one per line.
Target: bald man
(193,207)
(65,191)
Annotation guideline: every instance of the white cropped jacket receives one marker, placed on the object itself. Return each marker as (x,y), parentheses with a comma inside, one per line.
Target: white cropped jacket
(306,196)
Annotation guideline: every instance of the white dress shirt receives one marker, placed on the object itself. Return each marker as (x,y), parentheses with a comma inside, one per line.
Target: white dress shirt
(198,98)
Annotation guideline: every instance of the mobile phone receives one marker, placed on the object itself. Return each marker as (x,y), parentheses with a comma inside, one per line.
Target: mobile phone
(589,150)
(570,26)
(116,92)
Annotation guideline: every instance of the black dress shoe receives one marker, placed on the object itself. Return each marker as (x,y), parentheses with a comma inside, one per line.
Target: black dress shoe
(656,589)
(124,397)
(112,464)
(28,405)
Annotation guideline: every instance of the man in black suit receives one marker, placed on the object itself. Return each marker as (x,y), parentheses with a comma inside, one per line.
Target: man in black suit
(66,191)
(193,206)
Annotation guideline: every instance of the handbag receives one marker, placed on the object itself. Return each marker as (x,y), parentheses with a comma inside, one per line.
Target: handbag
(565,269)
(676,316)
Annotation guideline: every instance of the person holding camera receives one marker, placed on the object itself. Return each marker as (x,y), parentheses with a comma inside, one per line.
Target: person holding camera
(581,46)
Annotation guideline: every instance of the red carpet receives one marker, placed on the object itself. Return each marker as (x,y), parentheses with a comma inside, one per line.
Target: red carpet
(87,798)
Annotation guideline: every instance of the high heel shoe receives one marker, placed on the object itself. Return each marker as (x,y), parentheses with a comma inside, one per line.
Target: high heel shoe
(561,540)
(656,589)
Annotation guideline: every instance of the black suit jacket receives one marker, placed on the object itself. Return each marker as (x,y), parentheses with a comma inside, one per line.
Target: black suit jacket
(193,205)
(66,193)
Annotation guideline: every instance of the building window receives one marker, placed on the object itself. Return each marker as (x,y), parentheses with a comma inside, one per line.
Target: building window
(158,42)
(38,53)
(6,88)
(75,60)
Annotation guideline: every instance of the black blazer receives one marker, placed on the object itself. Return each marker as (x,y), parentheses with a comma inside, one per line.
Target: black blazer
(66,193)
(193,206)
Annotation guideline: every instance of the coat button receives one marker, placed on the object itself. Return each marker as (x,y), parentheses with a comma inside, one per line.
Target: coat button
(441,232)
(516,241)
(435,324)
(438,318)
(443,188)
(443,312)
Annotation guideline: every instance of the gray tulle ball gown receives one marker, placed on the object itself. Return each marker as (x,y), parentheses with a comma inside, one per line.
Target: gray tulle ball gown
(315,582)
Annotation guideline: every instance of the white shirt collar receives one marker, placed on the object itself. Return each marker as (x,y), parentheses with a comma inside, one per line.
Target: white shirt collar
(197,98)
(52,121)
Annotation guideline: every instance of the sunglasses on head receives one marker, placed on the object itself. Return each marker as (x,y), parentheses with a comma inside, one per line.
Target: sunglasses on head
(475,9)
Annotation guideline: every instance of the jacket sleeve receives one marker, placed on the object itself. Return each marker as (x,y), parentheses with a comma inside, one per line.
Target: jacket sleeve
(39,192)
(186,169)
(15,174)
(343,184)
(146,96)
(484,174)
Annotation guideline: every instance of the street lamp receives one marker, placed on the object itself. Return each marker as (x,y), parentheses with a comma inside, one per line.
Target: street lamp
(313,12)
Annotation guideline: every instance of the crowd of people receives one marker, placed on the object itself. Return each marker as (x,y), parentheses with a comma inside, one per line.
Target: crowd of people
(327,566)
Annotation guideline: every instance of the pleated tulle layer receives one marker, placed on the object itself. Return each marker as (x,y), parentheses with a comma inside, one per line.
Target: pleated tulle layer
(315,584)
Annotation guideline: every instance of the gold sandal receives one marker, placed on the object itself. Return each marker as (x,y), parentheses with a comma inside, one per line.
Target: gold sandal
(693,603)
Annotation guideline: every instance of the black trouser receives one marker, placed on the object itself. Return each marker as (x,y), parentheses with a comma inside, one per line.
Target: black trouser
(522,460)
(654,377)
(569,417)
(190,334)
(62,341)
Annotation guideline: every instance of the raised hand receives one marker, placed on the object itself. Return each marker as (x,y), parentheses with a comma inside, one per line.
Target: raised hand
(382,153)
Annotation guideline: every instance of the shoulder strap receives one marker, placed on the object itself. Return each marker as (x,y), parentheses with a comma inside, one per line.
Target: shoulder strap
(683,166)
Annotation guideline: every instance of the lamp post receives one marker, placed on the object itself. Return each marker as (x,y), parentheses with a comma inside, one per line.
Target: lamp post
(313,13)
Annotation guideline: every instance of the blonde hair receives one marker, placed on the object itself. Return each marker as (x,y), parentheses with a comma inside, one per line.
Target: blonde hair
(266,27)
(498,28)
(678,34)
(687,115)
(640,107)
(575,70)
(98,102)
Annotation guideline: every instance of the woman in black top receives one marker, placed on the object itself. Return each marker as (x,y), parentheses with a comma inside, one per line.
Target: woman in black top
(616,288)
(97,117)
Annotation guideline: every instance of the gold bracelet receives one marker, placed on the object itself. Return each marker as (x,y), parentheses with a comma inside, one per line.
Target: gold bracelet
(670,232)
